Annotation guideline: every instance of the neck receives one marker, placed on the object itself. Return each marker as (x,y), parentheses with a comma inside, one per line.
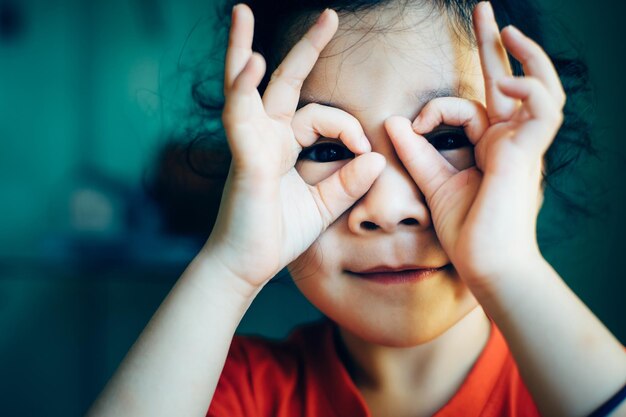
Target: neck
(434,369)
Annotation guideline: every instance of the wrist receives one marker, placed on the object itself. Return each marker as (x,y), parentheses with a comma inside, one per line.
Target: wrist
(212,275)
(507,286)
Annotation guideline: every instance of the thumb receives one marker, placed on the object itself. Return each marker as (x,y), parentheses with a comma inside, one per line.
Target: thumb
(343,188)
(428,168)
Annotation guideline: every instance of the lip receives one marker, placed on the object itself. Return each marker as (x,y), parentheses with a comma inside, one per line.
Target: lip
(384,268)
(386,275)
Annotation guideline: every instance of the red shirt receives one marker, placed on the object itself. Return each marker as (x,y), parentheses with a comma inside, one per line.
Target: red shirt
(303,376)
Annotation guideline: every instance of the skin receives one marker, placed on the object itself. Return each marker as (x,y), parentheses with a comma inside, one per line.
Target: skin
(483,217)
(400,228)
(392,332)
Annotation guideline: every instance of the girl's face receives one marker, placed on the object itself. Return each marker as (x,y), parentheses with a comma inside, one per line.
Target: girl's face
(373,75)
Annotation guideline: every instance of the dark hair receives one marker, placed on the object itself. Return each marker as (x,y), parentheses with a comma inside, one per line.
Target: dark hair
(203,151)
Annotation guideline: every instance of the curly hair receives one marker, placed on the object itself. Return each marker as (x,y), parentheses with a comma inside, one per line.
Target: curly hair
(194,165)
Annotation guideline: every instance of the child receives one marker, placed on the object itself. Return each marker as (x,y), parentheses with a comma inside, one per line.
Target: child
(399,178)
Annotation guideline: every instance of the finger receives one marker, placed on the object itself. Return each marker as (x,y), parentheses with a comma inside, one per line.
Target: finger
(428,168)
(534,95)
(534,60)
(344,187)
(239,44)
(546,117)
(315,120)
(283,91)
(239,105)
(453,111)
(494,63)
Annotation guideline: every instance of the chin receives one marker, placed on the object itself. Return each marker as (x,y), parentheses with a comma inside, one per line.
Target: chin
(390,316)
(405,331)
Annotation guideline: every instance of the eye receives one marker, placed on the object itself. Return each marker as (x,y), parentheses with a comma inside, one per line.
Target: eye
(325,152)
(447,138)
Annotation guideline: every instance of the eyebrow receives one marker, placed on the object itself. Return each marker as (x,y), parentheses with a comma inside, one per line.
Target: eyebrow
(420,97)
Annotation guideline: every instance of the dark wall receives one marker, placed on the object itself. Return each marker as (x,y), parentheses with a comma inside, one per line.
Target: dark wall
(86,88)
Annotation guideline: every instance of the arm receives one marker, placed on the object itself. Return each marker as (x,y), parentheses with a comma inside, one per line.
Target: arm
(568,359)
(486,216)
(268,217)
(174,366)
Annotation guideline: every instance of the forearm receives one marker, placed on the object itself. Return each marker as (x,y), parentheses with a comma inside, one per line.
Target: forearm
(174,366)
(570,362)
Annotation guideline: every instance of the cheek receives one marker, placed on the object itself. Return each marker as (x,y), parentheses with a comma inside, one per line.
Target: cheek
(303,265)
(314,172)
(461,158)
(309,273)
(322,259)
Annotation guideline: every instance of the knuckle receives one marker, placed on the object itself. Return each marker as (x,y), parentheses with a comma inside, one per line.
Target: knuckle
(533,56)
(308,42)
(555,117)
(478,106)
(325,212)
(227,117)
(559,117)
(536,87)
(478,110)
(345,184)
(311,108)
(281,75)
(534,84)
(276,74)
(430,110)
(431,106)
(562,98)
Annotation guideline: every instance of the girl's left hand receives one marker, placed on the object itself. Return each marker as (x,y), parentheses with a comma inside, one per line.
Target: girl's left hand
(485,216)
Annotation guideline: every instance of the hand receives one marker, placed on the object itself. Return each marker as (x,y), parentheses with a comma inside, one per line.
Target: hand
(268,215)
(485,216)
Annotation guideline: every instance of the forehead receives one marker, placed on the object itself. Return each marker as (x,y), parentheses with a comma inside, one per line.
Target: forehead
(395,62)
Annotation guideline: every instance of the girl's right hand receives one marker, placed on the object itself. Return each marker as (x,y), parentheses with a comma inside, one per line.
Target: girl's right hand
(268,215)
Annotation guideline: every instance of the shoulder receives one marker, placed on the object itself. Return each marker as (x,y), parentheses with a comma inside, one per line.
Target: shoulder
(259,373)
(493,387)
(266,354)
(508,394)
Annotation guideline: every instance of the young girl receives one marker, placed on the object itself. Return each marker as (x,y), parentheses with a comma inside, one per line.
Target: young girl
(394,165)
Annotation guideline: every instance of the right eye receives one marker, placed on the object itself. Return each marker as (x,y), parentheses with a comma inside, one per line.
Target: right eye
(325,152)
(447,138)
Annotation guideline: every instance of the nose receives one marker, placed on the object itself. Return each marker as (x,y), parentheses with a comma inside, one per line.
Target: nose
(393,202)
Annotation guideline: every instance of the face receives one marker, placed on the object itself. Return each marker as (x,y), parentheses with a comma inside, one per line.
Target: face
(373,76)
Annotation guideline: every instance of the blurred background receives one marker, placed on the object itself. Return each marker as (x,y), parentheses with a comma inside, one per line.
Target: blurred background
(89,91)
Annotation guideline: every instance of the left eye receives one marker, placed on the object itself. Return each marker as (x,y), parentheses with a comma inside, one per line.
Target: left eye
(325,152)
(448,138)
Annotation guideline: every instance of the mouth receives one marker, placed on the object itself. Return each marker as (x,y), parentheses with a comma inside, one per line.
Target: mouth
(389,275)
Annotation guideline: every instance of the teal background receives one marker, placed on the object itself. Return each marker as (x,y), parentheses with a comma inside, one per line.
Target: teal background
(87,91)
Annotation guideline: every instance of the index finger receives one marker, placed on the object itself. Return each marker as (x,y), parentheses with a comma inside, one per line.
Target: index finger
(283,91)
(428,168)
(315,120)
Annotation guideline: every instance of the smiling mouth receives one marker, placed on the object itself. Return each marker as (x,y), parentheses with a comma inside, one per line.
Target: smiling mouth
(390,276)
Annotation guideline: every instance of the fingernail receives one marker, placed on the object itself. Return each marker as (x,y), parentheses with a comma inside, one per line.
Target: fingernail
(416,124)
(365,142)
(489,9)
(514,31)
(322,17)
(506,81)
